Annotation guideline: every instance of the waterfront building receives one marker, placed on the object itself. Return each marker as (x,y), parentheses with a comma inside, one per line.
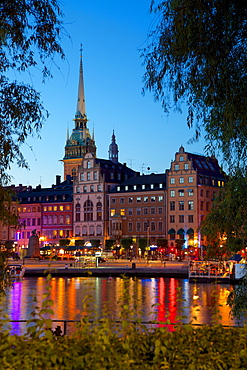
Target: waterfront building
(137,209)
(192,182)
(48,210)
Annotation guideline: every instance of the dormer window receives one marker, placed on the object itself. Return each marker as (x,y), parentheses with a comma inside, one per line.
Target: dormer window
(152,186)
(118,188)
(88,164)
(126,188)
(134,187)
(143,186)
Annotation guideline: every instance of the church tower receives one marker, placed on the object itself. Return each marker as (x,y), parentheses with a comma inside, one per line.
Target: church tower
(113,149)
(80,142)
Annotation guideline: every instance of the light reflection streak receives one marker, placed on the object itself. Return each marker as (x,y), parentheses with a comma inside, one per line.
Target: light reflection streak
(156,298)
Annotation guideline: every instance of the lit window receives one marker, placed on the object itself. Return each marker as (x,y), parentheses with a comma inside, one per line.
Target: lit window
(176,167)
(181,159)
(143,187)
(160,198)
(181,180)
(172,193)
(152,186)
(186,166)
(138,199)
(60,208)
(172,180)
(113,212)
(145,199)
(190,205)
(122,212)
(134,187)
(130,200)
(191,178)
(152,198)
(181,193)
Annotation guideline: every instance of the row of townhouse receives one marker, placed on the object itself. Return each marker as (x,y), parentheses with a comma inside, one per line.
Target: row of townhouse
(104,199)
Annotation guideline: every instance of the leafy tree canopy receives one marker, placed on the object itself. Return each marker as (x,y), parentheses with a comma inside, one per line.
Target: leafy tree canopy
(196,55)
(30,33)
(226,223)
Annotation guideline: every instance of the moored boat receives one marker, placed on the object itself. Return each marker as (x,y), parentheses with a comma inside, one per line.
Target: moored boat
(15,271)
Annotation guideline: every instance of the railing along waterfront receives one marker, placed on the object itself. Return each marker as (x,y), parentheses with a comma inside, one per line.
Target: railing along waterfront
(152,322)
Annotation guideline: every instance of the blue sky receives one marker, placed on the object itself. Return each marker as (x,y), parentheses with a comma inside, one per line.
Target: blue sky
(112,32)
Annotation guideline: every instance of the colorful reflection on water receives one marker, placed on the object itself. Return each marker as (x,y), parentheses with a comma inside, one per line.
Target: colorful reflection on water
(157,299)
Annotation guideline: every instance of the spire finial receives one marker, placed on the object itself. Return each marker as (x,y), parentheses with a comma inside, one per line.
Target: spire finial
(81,110)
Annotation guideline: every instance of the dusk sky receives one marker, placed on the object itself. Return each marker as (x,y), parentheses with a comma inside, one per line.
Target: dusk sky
(112,32)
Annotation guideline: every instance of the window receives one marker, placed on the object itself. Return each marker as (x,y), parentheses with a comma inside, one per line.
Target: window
(207,193)
(73,172)
(176,167)
(95,176)
(113,200)
(99,187)
(201,205)
(160,211)
(191,179)
(28,222)
(130,199)
(88,176)
(186,166)
(181,218)
(190,218)
(33,221)
(160,226)
(60,208)
(88,210)
(172,219)
(152,211)
(138,211)
(121,200)
(181,159)
(55,220)
(207,206)
(152,199)
(84,189)
(181,205)
(172,206)
(190,192)
(138,199)
(122,212)
(126,188)
(145,225)
(143,186)
(145,199)
(181,180)
(61,219)
(77,231)
(152,186)
(134,187)
(190,205)
(99,211)
(152,226)
(181,193)
(113,212)
(201,193)
(138,226)
(88,164)
(160,198)
(82,176)
(172,193)
(92,188)
(145,211)
(67,220)
(130,226)
(44,209)
(130,211)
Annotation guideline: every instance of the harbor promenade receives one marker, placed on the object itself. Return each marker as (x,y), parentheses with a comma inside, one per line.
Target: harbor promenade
(136,267)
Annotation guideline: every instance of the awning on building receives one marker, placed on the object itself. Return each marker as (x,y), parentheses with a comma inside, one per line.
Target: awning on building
(171,231)
(190,231)
(180,232)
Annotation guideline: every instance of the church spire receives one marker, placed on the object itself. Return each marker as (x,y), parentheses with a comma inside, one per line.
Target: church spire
(81,108)
(113,149)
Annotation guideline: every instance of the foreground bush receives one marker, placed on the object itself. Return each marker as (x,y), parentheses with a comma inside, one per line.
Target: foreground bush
(99,347)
